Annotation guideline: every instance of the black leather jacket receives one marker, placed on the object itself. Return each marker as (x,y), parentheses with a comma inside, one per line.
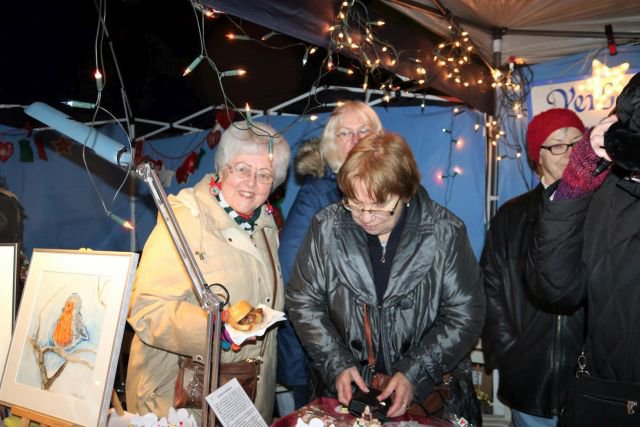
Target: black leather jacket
(588,249)
(431,314)
(533,344)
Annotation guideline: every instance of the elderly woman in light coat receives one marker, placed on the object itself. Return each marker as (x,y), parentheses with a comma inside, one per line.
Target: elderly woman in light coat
(233,236)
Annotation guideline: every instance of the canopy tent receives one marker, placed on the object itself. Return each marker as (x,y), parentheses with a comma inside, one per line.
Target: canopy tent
(153,50)
(307,20)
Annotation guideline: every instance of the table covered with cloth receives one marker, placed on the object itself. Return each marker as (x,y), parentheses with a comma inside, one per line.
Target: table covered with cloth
(332,408)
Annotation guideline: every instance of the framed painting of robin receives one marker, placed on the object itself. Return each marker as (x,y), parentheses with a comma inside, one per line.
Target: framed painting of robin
(68,332)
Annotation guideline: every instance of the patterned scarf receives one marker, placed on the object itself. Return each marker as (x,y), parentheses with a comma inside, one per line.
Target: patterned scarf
(246,222)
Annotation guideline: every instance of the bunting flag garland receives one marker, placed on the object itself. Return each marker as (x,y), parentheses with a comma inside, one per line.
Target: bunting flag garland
(225,117)
(274,208)
(26,153)
(187,168)
(201,154)
(213,137)
(6,151)
(139,151)
(62,145)
(42,153)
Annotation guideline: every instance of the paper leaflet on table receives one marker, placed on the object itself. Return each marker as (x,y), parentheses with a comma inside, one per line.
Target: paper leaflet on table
(270,317)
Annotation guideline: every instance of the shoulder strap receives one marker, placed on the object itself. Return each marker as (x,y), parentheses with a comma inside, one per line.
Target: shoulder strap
(371,358)
(275,281)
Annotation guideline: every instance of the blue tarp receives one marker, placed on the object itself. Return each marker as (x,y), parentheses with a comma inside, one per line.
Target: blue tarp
(64,211)
(515,176)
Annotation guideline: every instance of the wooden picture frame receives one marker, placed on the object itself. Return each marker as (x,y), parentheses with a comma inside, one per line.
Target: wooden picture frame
(9,256)
(65,348)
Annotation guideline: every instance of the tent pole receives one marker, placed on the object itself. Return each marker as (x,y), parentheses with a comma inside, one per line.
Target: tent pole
(492,150)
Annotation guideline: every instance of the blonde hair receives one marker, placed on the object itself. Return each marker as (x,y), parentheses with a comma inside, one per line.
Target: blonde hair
(328,148)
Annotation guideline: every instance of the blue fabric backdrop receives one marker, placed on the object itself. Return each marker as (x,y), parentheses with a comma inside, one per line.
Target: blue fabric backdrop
(515,177)
(64,211)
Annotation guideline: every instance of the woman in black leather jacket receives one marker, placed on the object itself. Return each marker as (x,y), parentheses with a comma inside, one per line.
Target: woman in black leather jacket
(389,247)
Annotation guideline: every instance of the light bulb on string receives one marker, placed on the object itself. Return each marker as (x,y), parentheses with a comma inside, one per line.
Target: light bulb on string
(268,36)
(232,36)
(99,80)
(238,72)
(345,70)
(247,111)
(305,57)
(120,221)
(193,65)
(80,104)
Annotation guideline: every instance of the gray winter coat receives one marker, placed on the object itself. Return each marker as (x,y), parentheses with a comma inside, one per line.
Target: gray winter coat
(432,311)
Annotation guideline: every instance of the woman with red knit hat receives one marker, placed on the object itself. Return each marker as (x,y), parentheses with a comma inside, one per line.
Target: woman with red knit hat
(533,345)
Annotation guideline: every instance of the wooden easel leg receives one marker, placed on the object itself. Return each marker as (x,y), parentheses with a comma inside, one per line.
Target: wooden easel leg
(28,415)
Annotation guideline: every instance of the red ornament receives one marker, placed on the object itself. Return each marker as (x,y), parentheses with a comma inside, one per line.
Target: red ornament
(6,151)
(62,145)
(42,153)
(225,117)
(187,168)
(139,150)
(213,138)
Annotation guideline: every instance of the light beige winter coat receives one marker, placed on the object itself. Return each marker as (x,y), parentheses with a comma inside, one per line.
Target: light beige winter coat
(165,314)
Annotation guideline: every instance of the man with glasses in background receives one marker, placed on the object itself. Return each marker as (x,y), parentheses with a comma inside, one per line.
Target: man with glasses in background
(532,344)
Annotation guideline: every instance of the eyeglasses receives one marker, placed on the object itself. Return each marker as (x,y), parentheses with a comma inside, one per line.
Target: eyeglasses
(378,213)
(559,149)
(263,176)
(347,134)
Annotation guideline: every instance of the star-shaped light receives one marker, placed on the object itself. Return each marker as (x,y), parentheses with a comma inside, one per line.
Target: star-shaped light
(62,145)
(605,83)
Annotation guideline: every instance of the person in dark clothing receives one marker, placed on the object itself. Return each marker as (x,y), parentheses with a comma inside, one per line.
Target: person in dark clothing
(390,253)
(11,216)
(11,231)
(533,344)
(585,248)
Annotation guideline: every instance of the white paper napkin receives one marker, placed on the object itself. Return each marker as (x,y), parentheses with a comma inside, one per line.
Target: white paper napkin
(270,317)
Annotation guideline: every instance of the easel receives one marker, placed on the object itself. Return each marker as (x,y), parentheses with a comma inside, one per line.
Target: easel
(27,415)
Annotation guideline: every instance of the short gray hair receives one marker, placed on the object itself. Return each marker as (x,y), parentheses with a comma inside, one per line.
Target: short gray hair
(253,138)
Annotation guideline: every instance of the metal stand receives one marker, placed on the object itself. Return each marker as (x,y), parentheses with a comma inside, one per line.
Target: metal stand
(117,154)
(208,300)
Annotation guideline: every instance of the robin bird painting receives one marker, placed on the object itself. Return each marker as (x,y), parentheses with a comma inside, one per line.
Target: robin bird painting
(70,329)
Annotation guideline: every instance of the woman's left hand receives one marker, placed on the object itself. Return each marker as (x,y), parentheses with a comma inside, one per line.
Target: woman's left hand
(402,391)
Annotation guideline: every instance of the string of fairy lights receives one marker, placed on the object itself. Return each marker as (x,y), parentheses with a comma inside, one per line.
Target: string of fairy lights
(354,48)
(507,132)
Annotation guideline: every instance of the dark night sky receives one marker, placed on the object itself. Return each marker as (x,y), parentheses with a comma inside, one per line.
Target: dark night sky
(49,56)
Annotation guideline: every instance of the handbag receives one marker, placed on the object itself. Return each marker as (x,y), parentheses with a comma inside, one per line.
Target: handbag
(600,402)
(189,386)
(432,405)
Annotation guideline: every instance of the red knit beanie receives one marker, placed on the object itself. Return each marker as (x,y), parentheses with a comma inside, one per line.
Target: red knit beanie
(544,124)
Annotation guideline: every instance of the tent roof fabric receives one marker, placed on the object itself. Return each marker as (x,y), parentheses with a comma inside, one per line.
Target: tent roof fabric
(526,25)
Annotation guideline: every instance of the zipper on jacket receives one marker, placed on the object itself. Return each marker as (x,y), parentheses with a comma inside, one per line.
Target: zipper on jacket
(630,406)
(555,392)
(384,352)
